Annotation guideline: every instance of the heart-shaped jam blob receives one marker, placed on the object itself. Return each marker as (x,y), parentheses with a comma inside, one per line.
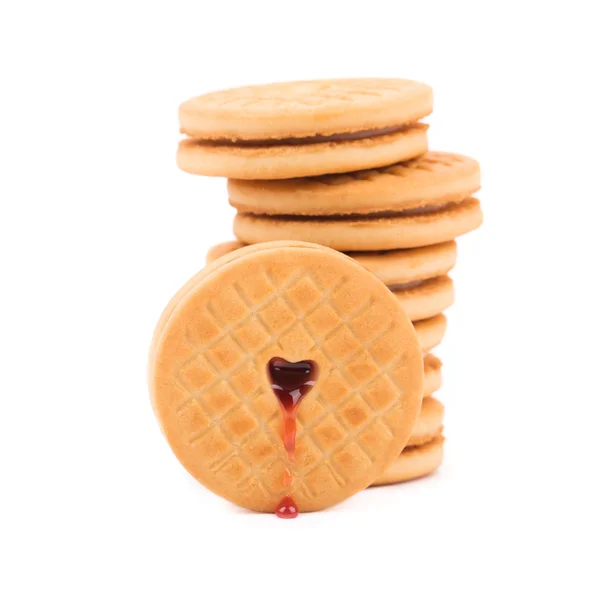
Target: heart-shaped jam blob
(291,382)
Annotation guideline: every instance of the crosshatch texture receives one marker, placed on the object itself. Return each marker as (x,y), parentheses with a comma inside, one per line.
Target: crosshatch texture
(214,401)
(306,95)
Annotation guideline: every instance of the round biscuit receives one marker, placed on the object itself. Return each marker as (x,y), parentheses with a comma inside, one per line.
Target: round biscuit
(305,108)
(431,179)
(290,161)
(365,233)
(211,394)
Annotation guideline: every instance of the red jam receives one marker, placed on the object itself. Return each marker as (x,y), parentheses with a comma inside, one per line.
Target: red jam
(290,382)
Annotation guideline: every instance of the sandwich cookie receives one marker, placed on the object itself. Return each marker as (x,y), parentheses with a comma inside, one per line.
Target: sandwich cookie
(436,178)
(414,462)
(285,377)
(407,229)
(297,129)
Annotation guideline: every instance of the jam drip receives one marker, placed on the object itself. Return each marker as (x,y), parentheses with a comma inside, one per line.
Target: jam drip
(287,509)
(290,382)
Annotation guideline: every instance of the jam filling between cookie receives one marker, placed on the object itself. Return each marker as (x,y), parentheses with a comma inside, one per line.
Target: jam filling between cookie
(351,217)
(290,382)
(315,139)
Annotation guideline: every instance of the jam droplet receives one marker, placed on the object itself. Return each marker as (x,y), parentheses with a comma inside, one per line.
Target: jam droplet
(290,382)
(287,509)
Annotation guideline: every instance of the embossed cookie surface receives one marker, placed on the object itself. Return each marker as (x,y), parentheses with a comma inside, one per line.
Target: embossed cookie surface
(211,392)
(398,267)
(305,108)
(431,179)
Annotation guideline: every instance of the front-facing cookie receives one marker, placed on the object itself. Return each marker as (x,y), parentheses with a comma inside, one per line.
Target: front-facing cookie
(286,372)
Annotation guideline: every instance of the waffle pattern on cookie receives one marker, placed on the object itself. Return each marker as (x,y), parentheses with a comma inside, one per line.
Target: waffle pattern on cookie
(215,353)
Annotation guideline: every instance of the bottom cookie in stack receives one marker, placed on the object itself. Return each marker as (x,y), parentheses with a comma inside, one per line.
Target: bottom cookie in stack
(424,451)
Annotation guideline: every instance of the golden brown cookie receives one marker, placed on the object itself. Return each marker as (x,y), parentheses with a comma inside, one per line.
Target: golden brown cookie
(393,267)
(284,161)
(408,229)
(431,331)
(429,424)
(414,462)
(305,109)
(296,129)
(431,179)
(210,385)
(433,374)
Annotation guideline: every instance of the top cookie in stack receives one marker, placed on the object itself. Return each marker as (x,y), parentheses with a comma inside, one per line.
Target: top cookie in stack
(299,129)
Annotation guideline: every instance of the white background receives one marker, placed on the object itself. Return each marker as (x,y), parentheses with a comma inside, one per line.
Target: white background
(99,228)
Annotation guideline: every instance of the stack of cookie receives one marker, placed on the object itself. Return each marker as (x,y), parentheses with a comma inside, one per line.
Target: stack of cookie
(344,163)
